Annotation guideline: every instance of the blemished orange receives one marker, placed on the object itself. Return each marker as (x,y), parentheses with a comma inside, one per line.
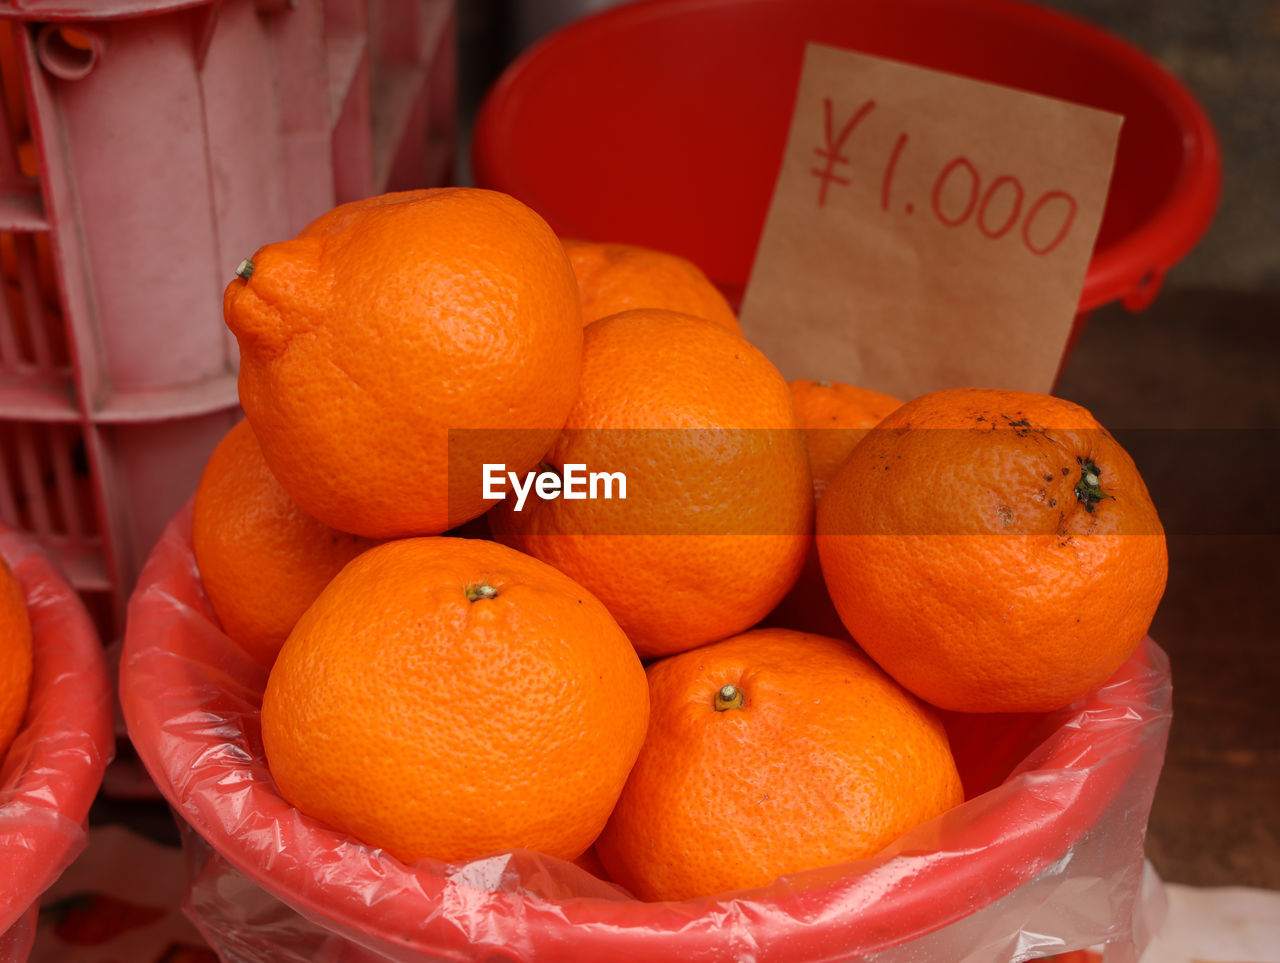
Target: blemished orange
(768,754)
(834,416)
(614,277)
(718,510)
(262,559)
(15,656)
(445,698)
(399,343)
(993,550)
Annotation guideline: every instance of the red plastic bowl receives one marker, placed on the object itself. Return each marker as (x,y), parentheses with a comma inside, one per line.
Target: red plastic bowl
(1050,838)
(663,122)
(53,769)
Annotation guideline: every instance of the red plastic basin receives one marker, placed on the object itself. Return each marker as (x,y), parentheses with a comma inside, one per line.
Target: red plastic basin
(53,769)
(663,122)
(1046,851)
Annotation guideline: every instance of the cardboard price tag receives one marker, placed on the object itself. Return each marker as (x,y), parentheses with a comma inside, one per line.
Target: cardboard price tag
(926,230)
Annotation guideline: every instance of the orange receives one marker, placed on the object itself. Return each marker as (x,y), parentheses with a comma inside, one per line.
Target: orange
(834,417)
(397,345)
(446,698)
(718,509)
(619,277)
(768,754)
(15,656)
(262,559)
(994,551)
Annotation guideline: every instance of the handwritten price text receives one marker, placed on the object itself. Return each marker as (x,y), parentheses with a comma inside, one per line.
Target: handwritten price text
(958,195)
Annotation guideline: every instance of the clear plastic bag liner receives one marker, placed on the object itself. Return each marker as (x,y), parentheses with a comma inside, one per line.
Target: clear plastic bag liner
(1046,854)
(54,766)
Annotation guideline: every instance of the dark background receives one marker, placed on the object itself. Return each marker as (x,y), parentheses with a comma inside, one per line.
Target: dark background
(1191,386)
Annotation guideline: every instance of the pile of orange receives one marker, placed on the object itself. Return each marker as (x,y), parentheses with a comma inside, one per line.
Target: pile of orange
(589,674)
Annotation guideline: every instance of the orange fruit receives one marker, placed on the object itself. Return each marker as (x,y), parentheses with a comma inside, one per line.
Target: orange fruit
(262,559)
(718,508)
(771,753)
(994,551)
(834,417)
(397,345)
(613,278)
(446,698)
(15,656)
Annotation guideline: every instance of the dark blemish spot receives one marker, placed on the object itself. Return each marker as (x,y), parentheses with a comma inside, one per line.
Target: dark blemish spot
(1088,489)
(1022,424)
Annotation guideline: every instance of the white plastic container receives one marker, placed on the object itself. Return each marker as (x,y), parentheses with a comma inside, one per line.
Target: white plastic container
(146,147)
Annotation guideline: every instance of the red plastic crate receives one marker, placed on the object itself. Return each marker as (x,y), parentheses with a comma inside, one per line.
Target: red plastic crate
(145,149)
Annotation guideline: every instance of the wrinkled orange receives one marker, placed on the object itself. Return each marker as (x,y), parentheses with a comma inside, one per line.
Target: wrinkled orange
(994,551)
(718,513)
(399,343)
(768,754)
(834,417)
(15,656)
(262,559)
(445,698)
(613,278)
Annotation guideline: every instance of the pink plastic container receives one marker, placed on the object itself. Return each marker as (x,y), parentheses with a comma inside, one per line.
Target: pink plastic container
(145,149)
(55,765)
(1045,856)
(662,122)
